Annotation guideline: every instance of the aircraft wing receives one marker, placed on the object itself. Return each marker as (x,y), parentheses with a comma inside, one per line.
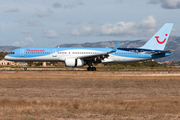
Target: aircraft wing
(95,57)
(98,57)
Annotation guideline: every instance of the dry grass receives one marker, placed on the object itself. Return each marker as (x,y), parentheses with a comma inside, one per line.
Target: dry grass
(52,108)
(89,95)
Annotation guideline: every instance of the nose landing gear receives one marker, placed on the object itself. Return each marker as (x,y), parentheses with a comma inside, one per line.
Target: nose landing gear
(25,69)
(24,66)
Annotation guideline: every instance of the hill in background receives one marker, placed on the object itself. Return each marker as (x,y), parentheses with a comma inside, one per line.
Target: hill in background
(7,48)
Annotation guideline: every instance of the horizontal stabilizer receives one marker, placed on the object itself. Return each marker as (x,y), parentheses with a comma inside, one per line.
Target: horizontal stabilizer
(169,51)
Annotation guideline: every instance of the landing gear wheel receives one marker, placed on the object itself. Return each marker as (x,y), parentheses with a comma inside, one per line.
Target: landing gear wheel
(24,66)
(91,69)
(25,69)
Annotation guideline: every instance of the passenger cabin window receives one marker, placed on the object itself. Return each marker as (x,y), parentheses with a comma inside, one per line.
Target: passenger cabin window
(61,52)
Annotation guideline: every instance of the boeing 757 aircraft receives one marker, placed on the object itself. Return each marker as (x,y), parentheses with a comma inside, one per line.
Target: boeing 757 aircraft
(76,57)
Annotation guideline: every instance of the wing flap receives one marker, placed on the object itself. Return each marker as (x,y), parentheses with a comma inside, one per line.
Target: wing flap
(95,56)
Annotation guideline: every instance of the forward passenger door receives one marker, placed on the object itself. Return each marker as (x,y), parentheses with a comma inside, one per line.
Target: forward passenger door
(54,53)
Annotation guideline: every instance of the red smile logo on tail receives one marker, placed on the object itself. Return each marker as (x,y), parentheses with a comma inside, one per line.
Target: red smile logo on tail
(162,41)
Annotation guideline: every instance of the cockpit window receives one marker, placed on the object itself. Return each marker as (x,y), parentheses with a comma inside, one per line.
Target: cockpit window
(12,53)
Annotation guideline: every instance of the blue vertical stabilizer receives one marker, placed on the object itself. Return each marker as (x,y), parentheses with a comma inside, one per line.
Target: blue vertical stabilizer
(159,40)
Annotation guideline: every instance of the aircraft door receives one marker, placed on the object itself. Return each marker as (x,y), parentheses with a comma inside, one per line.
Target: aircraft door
(142,54)
(21,53)
(54,53)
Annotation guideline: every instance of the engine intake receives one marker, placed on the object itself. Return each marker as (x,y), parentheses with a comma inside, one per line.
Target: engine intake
(72,62)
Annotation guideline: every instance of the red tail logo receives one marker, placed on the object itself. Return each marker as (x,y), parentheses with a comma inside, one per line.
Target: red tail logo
(162,41)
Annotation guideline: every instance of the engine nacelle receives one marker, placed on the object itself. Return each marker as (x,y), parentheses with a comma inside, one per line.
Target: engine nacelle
(72,62)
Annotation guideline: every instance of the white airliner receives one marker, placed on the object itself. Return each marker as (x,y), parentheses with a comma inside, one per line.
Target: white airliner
(76,57)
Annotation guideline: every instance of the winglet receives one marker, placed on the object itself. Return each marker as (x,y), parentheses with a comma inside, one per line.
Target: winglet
(115,48)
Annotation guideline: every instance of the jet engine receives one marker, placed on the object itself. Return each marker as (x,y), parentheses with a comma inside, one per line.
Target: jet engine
(72,62)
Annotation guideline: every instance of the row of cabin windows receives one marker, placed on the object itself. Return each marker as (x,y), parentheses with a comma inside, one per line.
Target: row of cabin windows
(37,52)
(61,52)
(80,52)
(86,52)
(127,53)
(92,53)
(72,53)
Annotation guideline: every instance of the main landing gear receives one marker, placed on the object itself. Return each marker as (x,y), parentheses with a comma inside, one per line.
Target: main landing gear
(91,68)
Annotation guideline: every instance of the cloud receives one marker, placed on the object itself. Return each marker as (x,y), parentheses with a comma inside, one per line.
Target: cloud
(149,22)
(50,33)
(26,31)
(44,14)
(86,31)
(33,23)
(12,10)
(24,23)
(121,28)
(74,23)
(19,19)
(66,6)
(78,3)
(154,1)
(166,4)
(57,5)
(92,22)
(28,41)
(75,32)
(89,31)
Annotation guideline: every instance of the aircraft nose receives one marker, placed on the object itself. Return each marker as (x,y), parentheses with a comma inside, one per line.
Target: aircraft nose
(6,57)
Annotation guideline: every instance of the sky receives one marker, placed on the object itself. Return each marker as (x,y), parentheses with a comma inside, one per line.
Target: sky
(48,23)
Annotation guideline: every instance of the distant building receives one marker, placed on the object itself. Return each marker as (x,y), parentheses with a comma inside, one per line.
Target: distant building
(5,62)
(44,64)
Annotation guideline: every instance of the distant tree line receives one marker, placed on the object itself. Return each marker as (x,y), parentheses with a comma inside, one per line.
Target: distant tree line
(136,64)
(2,55)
